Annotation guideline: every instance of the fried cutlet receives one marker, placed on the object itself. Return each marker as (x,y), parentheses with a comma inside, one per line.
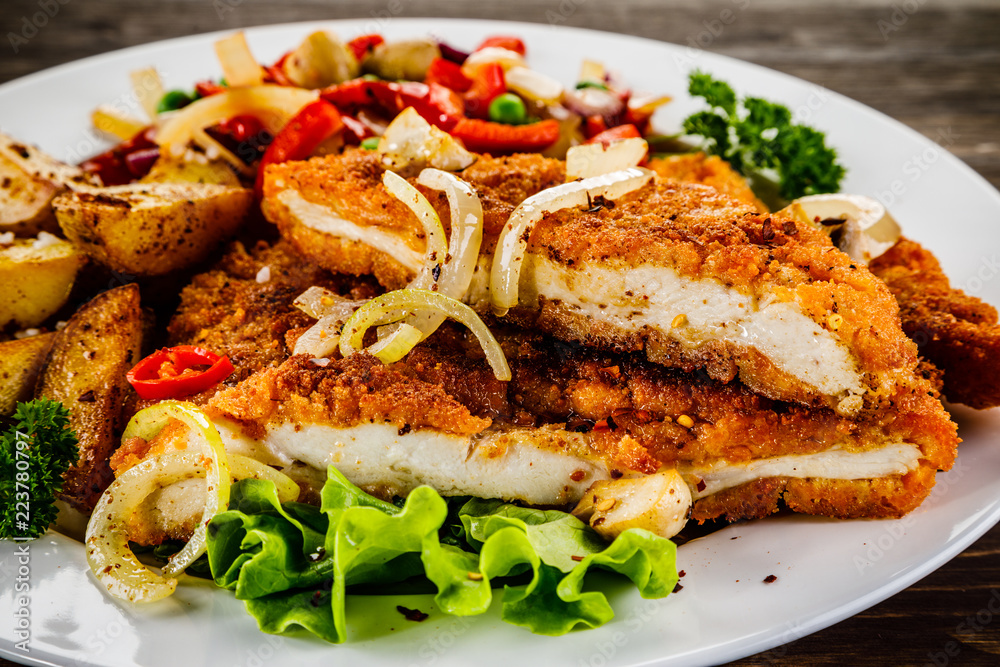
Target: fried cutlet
(958,333)
(680,272)
(572,416)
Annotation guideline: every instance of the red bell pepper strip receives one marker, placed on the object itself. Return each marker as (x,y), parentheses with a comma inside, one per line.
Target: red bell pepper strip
(593,126)
(487,84)
(363,45)
(276,73)
(114,167)
(354,130)
(438,105)
(504,42)
(312,125)
(175,372)
(482,136)
(242,128)
(615,133)
(206,88)
(448,74)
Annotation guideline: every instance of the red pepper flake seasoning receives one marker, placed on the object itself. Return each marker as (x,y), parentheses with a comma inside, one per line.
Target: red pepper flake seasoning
(766,231)
(682,573)
(412,614)
(701,487)
(613,371)
(577,558)
(616,474)
(678,588)
(87,397)
(770,579)
(605,425)
(643,416)
(790,228)
(578,475)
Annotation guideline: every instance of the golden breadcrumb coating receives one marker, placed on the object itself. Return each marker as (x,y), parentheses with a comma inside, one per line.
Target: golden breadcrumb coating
(956,332)
(712,171)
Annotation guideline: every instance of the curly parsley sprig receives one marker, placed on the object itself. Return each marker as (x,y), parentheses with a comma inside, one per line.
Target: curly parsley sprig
(35,452)
(760,140)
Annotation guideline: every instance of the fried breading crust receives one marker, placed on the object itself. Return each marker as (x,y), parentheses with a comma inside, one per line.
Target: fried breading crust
(712,171)
(228,309)
(956,332)
(344,393)
(351,184)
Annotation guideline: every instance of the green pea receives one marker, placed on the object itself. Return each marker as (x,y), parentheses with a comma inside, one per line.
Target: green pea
(371,143)
(508,108)
(172,101)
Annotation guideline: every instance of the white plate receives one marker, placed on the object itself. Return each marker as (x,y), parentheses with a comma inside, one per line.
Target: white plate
(827,570)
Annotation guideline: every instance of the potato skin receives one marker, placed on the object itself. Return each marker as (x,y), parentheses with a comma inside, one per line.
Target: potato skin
(85,370)
(151,229)
(20,362)
(29,179)
(36,279)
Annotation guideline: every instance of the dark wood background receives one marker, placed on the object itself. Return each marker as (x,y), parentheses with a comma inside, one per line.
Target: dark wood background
(931,64)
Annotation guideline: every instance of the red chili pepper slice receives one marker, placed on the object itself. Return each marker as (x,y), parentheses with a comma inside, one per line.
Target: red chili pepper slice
(482,136)
(363,45)
(489,83)
(312,125)
(618,132)
(504,42)
(175,372)
(448,74)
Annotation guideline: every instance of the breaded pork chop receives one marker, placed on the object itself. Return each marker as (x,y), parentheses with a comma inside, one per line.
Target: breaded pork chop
(958,333)
(681,272)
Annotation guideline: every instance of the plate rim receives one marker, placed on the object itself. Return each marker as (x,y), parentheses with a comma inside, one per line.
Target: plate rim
(729,650)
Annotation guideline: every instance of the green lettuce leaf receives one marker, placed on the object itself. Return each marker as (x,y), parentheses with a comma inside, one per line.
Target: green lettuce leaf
(294,564)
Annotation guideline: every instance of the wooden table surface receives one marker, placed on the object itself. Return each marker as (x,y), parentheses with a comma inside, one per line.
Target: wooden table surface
(931,64)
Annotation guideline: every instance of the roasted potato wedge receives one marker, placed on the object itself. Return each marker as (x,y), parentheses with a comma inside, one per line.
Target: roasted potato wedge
(191,169)
(20,361)
(29,179)
(150,229)
(407,59)
(85,370)
(321,60)
(37,276)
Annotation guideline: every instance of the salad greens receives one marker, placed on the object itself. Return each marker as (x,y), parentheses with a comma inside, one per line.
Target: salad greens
(759,139)
(294,564)
(35,452)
